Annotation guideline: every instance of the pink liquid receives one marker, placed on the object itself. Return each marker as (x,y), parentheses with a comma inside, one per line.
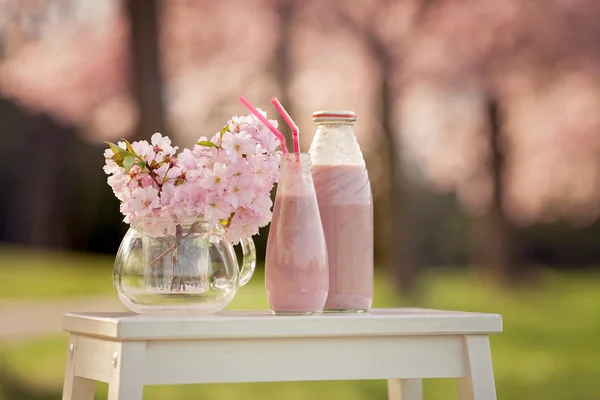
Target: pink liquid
(296,273)
(346,208)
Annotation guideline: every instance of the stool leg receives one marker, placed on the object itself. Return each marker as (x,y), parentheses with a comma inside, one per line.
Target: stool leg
(479,381)
(405,389)
(126,380)
(76,387)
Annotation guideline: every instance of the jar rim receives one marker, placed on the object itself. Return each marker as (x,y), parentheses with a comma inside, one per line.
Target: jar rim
(295,160)
(149,220)
(199,218)
(296,156)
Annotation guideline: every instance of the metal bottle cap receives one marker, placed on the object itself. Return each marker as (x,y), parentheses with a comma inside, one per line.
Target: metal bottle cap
(334,115)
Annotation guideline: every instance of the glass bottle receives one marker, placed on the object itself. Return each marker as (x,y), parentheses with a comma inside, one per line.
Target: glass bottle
(346,207)
(296,272)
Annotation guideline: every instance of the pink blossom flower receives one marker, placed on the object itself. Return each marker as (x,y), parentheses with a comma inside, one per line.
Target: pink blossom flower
(239,192)
(242,225)
(193,197)
(230,180)
(239,167)
(238,145)
(144,150)
(167,194)
(261,205)
(111,167)
(143,201)
(215,178)
(235,124)
(161,145)
(216,139)
(187,160)
(172,200)
(124,208)
(118,181)
(262,169)
(216,209)
(167,172)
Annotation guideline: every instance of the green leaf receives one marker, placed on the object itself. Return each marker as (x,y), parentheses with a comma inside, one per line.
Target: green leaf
(116,149)
(120,157)
(128,162)
(206,143)
(129,147)
(225,129)
(142,164)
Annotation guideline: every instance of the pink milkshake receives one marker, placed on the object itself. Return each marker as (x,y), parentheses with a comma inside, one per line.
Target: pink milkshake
(344,195)
(346,207)
(296,271)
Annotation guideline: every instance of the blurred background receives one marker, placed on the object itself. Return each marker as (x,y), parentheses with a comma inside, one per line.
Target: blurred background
(479,120)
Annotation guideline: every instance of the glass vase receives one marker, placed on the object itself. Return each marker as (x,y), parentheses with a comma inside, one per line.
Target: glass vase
(183,266)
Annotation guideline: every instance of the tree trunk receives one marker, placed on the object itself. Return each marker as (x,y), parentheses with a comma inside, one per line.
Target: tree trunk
(496,237)
(403,260)
(42,183)
(282,63)
(146,77)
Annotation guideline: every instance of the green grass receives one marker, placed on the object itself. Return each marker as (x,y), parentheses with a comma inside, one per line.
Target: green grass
(548,351)
(47,275)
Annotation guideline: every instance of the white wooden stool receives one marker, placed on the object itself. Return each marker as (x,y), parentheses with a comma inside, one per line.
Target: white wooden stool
(401,345)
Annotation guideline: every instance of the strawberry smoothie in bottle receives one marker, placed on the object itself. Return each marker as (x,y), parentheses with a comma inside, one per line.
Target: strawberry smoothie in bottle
(346,208)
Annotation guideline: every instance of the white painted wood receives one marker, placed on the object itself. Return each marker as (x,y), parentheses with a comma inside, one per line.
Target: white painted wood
(93,358)
(75,387)
(479,381)
(216,361)
(262,324)
(401,345)
(126,380)
(405,389)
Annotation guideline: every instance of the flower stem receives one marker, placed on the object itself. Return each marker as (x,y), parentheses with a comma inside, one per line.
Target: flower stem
(157,259)
(176,282)
(170,249)
(177,256)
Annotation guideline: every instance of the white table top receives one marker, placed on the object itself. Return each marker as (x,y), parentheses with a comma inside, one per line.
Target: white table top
(263,324)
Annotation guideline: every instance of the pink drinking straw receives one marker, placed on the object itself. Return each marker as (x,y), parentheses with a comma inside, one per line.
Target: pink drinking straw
(288,120)
(266,122)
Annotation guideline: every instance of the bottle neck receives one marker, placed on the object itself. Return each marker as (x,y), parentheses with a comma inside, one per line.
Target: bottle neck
(335,143)
(295,178)
(335,123)
(295,162)
(345,128)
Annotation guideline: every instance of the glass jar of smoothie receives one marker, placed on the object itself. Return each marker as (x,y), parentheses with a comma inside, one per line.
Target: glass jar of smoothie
(296,273)
(346,207)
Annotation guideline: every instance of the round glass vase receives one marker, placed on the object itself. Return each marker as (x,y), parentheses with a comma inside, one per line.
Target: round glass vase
(183,266)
